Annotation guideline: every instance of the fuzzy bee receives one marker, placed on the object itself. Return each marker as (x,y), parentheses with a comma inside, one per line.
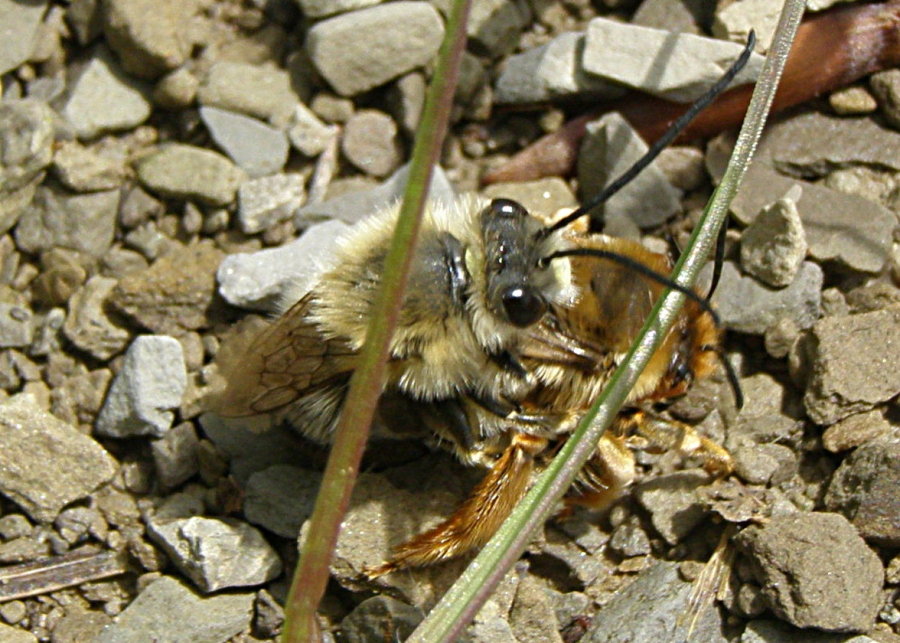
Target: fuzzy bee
(510,326)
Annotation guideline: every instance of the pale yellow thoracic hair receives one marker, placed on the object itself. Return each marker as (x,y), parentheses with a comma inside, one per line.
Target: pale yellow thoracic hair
(452,346)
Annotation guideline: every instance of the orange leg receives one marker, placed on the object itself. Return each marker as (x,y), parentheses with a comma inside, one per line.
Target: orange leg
(479,517)
(663,435)
(605,476)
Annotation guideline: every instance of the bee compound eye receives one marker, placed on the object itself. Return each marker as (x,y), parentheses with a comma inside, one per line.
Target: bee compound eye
(523,305)
(507,208)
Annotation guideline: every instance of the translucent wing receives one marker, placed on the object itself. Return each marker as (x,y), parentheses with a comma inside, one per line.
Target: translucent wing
(286,360)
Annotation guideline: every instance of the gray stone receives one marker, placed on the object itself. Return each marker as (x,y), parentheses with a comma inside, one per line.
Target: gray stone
(16,326)
(188,172)
(735,21)
(766,631)
(10,634)
(46,463)
(490,624)
(137,207)
(267,201)
(683,15)
(167,610)
(834,586)
(250,447)
(674,503)
(257,148)
(14,526)
(26,141)
(370,142)
(674,66)
(59,218)
(216,553)
(269,615)
(85,169)
(629,539)
(852,101)
(550,71)
(379,618)
(886,87)
(176,90)
(325,8)
(532,617)
(23,550)
(652,609)
(76,523)
(152,380)
(851,360)
(151,37)
(406,98)
(79,624)
(610,147)
(361,50)
(259,280)
(774,245)
(63,273)
(849,230)
(86,20)
(811,145)
(101,99)
(764,463)
(20,24)
(855,431)
(280,498)
(543,197)
(88,325)
(354,206)
(494,26)
(260,91)
(175,293)
(864,489)
(307,133)
(747,306)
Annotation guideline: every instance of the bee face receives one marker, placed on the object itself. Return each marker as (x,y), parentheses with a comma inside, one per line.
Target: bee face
(512,261)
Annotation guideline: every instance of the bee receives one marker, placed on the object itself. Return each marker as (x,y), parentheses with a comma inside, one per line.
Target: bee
(510,326)
(505,335)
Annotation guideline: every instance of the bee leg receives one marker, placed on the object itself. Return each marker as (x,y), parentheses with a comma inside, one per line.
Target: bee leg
(605,476)
(663,435)
(479,517)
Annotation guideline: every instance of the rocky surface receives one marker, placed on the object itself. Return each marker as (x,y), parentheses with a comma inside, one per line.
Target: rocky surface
(168,167)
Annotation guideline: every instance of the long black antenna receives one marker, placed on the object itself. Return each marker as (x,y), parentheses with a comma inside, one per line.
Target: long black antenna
(674,130)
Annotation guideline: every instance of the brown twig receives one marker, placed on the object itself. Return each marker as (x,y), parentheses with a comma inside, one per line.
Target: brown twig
(832,49)
(69,569)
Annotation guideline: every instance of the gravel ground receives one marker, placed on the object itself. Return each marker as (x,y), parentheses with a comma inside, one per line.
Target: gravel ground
(168,168)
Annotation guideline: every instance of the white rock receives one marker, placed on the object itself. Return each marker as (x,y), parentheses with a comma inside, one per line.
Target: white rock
(151,383)
(363,49)
(549,71)
(610,147)
(258,280)
(675,66)
(774,245)
(216,553)
(103,99)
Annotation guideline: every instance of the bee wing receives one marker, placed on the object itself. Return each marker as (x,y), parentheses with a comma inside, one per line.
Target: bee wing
(549,343)
(280,364)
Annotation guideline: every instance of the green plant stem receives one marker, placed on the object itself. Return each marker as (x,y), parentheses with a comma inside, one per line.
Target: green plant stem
(462,601)
(311,575)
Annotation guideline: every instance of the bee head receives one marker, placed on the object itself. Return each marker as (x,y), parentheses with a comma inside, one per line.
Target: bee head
(519,285)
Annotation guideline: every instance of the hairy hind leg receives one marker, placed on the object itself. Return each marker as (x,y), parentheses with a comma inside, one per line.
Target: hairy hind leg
(479,517)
